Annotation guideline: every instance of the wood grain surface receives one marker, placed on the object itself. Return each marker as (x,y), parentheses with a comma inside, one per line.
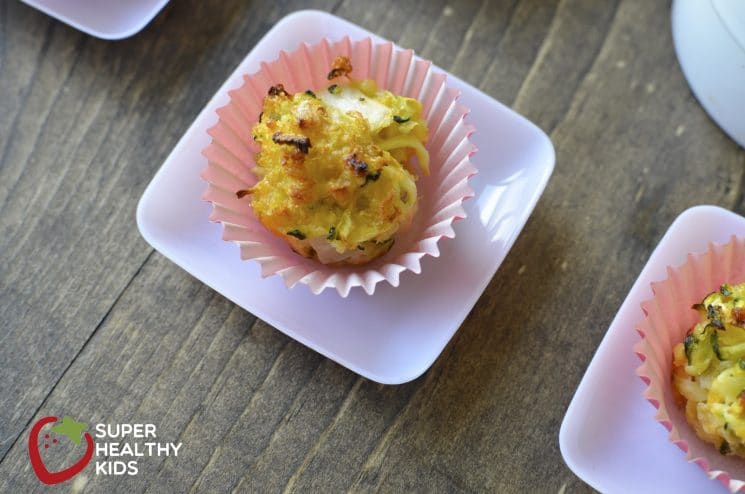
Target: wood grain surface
(96,324)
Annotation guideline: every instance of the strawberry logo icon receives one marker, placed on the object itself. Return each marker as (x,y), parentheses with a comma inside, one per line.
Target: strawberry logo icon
(68,428)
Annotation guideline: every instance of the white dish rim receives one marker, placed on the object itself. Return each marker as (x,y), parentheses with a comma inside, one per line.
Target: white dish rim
(60,14)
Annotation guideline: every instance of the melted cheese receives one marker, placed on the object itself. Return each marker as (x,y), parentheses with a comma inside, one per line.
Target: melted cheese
(355,187)
(709,370)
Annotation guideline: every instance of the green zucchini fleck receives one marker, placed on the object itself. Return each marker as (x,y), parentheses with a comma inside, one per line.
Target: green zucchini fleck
(700,350)
(715,344)
(688,345)
(401,120)
(724,448)
(371,177)
(714,313)
(297,234)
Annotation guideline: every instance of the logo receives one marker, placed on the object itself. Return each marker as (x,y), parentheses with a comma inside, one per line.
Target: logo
(69,429)
(118,448)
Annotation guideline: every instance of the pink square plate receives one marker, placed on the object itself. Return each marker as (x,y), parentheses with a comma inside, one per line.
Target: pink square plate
(395,334)
(609,436)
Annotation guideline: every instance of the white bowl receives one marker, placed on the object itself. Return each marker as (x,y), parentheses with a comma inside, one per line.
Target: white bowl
(709,38)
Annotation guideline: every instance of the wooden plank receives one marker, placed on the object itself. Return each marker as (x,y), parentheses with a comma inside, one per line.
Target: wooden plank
(569,269)
(58,169)
(85,126)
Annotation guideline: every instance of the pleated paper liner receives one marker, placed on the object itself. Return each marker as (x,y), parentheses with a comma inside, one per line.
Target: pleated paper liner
(441,194)
(668,318)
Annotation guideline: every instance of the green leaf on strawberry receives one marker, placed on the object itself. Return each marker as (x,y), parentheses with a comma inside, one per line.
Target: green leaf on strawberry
(70,428)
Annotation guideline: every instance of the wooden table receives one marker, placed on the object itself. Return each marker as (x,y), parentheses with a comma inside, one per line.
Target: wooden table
(97,325)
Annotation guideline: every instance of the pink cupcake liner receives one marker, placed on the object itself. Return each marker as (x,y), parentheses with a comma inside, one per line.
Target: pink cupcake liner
(668,318)
(231,158)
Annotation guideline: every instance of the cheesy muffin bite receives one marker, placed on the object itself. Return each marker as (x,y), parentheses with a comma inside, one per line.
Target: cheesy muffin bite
(337,174)
(709,370)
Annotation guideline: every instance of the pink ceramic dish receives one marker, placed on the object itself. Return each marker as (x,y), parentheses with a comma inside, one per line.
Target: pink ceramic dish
(395,334)
(611,440)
